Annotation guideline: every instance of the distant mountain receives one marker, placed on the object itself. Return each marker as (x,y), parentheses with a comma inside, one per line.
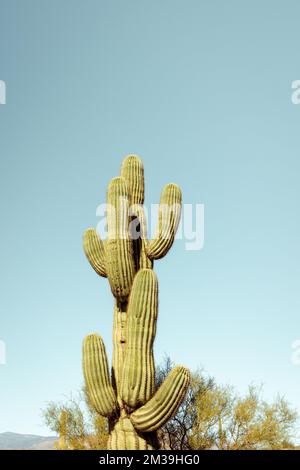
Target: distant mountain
(12,440)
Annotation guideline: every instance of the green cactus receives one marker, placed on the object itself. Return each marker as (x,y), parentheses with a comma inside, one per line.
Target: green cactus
(129,400)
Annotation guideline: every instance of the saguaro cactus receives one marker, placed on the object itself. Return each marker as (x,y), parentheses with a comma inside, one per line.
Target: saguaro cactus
(128,399)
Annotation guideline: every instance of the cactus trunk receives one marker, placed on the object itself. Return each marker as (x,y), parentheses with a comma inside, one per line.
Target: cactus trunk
(134,409)
(123,435)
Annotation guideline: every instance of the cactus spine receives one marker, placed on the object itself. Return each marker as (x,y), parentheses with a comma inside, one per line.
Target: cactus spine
(129,400)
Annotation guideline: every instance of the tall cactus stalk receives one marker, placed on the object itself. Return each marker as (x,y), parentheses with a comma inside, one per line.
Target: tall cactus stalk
(129,399)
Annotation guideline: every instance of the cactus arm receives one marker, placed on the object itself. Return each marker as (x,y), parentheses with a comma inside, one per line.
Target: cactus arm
(132,170)
(94,250)
(164,404)
(95,369)
(168,220)
(138,371)
(119,259)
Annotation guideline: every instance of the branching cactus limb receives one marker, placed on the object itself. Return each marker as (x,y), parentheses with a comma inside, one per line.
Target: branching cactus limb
(129,400)
(132,170)
(95,252)
(95,369)
(164,403)
(168,221)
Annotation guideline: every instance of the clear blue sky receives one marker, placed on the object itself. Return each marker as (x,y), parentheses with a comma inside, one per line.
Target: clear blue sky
(201,90)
